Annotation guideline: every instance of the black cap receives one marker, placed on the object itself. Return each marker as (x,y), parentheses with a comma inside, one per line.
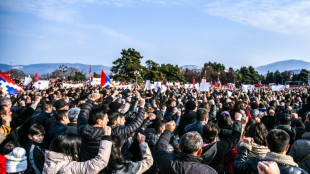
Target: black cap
(60,104)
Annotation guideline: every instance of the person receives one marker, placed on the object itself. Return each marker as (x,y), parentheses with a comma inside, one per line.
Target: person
(35,152)
(300,150)
(60,126)
(188,117)
(73,116)
(45,118)
(188,161)
(258,132)
(214,150)
(284,122)
(278,144)
(63,155)
(202,118)
(16,161)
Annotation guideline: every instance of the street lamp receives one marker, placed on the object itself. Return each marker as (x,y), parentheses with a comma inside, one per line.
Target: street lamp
(64,69)
(136,73)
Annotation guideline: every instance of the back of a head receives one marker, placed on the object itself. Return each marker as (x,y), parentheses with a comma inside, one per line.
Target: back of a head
(258,132)
(94,115)
(61,114)
(201,114)
(224,120)
(46,106)
(113,116)
(277,140)
(68,144)
(210,132)
(160,124)
(190,105)
(36,129)
(191,142)
(283,118)
(254,105)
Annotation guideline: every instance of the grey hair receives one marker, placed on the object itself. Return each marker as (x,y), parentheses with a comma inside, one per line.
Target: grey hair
(4,101)
(191,142)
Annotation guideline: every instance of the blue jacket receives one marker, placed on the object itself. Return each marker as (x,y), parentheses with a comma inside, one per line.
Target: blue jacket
(196,126)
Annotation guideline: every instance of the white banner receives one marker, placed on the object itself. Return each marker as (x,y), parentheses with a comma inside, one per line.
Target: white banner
(124,86)
(27,80)
(68,85)
(157,84)
(192,86)
(96,81)
(278,88)
(148,85)
(205,86)
(42,84)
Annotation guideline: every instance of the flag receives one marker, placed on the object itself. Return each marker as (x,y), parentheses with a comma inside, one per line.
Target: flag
(194,82)
(218,83)
(259,84)
(27,80)
(211,82)
(37,77)
(90,75)
(105,80)
(9,85)
(9,73)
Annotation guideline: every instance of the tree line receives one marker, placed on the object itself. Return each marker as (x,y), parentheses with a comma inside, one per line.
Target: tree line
(128,68)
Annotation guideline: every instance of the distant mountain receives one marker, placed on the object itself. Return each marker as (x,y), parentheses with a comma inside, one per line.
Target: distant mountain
(191,67)
(44,68)
(286,65)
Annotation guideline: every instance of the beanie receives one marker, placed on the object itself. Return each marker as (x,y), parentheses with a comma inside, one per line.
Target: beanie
(16,161)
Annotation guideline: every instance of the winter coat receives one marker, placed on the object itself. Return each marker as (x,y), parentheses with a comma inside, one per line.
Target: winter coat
(302,112)
(196,126)
(187,118)
(57,129)
(300,150)
(181,163)
(212,114)
(258,151)
(60,163)
(45,119)
(35,156)
(72,128)
(290,130)
(214,154)
(244,165)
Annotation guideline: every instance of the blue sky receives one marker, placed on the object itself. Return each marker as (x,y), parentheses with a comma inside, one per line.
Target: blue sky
(184,32)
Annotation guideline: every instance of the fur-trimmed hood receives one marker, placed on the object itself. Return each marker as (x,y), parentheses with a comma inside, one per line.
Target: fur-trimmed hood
(279,158)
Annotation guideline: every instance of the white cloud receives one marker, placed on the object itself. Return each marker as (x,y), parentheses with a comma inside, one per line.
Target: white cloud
(283,16)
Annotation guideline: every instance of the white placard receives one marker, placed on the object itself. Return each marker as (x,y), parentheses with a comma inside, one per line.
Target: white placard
(205,86)
(42,84)
(124,86)
(246,88)
(229,93)
(27,80)
(96,81)
(157,84)
(148,85)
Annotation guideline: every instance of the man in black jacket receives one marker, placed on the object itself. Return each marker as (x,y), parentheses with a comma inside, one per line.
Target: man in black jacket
(278,143)
(188,117)
(214,153)
(188,161)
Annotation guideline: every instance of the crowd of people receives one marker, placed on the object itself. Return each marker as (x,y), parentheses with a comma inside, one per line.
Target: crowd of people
(186,131)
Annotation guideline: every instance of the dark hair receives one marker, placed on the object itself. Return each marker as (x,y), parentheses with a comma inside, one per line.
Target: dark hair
(94,115)
(277,140)
(201,114)
(191,142)
(159,125)
(238,106)
(307,129)
(68,144)
(210,132)
(61,114)
(36,129)
(258,132)
(159,116)
(254,105)
(224,121)
(46,105)
(283,118)
(8,147)
(113,117)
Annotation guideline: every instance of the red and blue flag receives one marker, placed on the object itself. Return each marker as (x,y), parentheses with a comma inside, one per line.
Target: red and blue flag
(9,85)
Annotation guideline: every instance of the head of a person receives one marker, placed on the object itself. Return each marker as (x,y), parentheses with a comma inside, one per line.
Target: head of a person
(16,161)
(98,118)
(191,143)
(61,104)
(202,115)
(5,106)
(190,105)
(283,118)
(8,147)
(224,120)
(258,132)
(36,133)
(159,116)
(172,102)
(115,107)
(47,107)
(114,118)
(160,127)
(73,114)
(271,112)
(62,116)
(68,144)
(121,119)
(278,141)
(210,132)
(254,105)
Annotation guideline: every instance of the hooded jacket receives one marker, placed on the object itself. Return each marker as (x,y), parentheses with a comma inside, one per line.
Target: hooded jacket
(300,150)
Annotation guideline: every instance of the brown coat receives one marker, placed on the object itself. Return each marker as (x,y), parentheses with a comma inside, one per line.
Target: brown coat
(60,163)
